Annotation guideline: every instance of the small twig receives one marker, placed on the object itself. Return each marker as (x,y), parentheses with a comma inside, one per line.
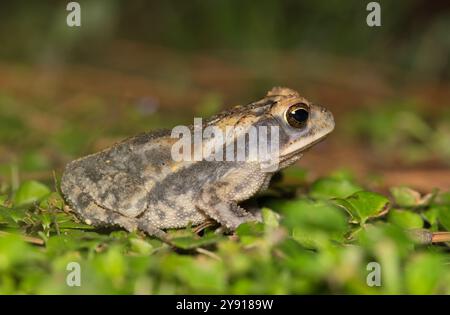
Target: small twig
(29,239)
(426,237)
(438,237)
(208,253)
(204,225)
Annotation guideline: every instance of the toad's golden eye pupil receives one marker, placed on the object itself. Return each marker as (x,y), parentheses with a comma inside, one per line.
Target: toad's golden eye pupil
(298,115)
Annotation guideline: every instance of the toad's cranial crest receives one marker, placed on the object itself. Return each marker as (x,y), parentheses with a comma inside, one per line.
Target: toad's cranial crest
(136,184)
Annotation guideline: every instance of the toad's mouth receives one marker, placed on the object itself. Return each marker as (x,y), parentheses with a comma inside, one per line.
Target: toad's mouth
(307,147)
(301,150)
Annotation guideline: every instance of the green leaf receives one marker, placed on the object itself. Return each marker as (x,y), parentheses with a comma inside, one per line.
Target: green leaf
(59,244)
(270,218)
(363,205)
(407,197)
(432,216)
(112,264)
(250,232)
(423,274)
(312,215)
(444,216)
(12,216)
(54,200)
(66,221)
(74,240)
(191,242)
(311,239)
(12,250)
(327,188)
(46,221)
(200,275)
(405,219)
(375,237)
(29,192)
(140,246)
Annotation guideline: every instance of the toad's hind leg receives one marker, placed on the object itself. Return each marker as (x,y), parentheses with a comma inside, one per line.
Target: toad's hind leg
(96,215)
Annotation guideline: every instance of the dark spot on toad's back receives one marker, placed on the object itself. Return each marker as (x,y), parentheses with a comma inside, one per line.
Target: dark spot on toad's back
(83,200)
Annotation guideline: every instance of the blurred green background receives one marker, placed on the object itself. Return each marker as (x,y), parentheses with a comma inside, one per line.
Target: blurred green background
(139,65)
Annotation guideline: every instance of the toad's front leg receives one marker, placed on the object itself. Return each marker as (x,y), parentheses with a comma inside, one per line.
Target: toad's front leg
(219,200)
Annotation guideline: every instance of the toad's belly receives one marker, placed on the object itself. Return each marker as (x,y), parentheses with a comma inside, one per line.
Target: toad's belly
(172,208)
(165,215)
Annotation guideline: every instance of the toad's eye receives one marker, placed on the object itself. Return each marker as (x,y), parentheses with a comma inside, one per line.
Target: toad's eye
(297,115)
